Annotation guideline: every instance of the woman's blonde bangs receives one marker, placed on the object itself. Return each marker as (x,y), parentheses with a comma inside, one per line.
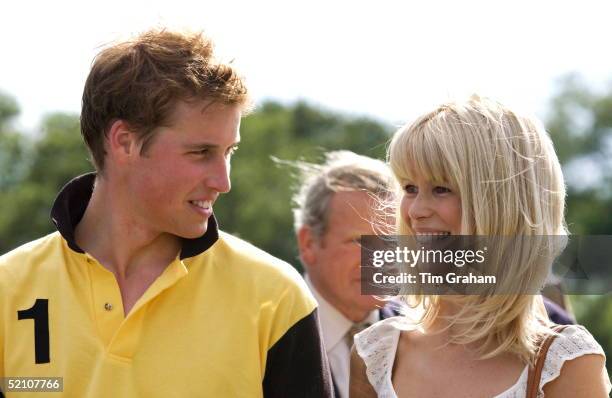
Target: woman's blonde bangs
(421,149)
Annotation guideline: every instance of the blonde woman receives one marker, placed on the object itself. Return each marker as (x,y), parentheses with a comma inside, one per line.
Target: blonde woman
(477,168)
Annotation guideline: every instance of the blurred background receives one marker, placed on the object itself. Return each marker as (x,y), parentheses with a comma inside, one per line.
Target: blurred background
(335,75)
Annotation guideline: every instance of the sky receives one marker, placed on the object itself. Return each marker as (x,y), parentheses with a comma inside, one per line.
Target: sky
(390,60)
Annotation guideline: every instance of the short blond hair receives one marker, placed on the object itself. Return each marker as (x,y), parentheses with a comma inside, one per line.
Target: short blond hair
(505,170)
(141,81)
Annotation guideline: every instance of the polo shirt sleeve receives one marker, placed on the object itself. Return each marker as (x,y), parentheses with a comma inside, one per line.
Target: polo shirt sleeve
(293,362)
(296,364)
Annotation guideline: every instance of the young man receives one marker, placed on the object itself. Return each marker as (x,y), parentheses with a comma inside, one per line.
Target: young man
(337,204)
(138,293)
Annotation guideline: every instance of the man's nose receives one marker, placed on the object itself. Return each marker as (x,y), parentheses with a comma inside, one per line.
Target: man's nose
(219,177)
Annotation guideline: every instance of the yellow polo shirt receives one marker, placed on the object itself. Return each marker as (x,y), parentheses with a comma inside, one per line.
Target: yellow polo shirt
(229,321)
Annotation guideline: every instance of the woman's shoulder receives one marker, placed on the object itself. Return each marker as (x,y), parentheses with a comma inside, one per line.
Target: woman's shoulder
(387,328)
(376,346)
(574,343)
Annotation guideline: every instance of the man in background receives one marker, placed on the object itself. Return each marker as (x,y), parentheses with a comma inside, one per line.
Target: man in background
(336,204)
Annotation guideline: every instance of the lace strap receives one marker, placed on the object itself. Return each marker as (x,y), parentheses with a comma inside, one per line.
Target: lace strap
(376,345)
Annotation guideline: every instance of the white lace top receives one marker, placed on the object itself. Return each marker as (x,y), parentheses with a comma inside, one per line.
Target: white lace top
(377,344)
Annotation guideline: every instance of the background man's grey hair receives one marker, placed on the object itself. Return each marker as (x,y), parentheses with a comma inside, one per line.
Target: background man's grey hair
(341,171)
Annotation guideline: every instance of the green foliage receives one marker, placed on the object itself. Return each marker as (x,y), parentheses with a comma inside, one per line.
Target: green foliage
(32,173)
(581,128)
(12,145)
(589,212)
(13,159)
(8,109)
(60,154)
(258,208)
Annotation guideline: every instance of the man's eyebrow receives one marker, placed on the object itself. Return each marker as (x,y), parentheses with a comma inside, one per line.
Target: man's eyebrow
(206,145)
(201,145)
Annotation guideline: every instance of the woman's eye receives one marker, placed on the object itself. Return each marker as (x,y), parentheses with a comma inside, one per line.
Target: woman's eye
(411,189)
(441,190)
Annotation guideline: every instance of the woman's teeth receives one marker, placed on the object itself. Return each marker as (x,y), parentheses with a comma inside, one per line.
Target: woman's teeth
(427,237)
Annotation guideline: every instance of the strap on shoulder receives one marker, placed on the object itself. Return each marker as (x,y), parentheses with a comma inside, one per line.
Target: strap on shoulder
(535,372)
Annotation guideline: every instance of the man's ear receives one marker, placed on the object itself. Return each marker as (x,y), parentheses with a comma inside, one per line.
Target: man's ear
(307,244)
(122,142)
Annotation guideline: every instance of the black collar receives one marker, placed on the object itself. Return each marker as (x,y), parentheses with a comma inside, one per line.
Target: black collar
(70,205)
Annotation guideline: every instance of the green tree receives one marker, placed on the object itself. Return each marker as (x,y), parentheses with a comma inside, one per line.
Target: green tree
(258,208)
(12,145)
(580,124)
(31,184)
(8,109)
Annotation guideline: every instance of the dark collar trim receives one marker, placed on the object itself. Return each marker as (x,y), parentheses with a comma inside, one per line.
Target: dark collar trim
(72,200)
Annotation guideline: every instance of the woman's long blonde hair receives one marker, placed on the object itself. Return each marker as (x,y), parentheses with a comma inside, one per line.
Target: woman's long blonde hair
(509,179)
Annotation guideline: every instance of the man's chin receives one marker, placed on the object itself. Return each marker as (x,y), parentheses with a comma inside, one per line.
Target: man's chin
(194,233)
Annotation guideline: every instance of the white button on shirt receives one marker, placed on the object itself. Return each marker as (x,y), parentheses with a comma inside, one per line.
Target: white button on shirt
(335,327)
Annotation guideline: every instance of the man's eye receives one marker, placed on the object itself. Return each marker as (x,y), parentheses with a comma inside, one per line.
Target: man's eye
(411,189)
(201,152)
(441,190)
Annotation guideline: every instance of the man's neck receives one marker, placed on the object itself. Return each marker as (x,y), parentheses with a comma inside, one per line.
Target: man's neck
(354,315)
(109,232)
